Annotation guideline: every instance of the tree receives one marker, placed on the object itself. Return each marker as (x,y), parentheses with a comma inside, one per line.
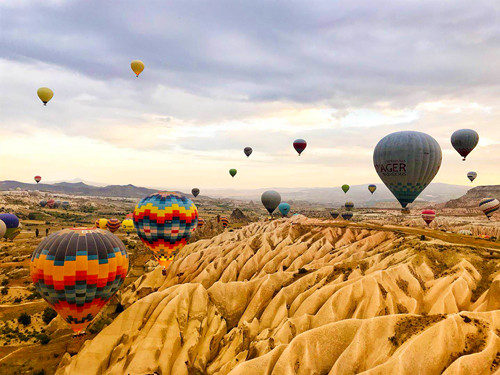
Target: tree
(24,319)
(5,291)
(48,314)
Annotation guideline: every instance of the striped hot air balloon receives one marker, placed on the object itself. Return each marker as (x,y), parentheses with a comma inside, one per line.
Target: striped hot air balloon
(51,203)
(101,223)
(164,222)
(349,206)
(200,222)
(334,214)
(372,188)
(489,206)
(38,179)
(428,216)
(299,145)
(347,215)
(113,225)
(471,175)
(77,271)
(225,221)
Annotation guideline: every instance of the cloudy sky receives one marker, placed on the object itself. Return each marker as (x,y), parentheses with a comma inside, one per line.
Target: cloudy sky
(222,75)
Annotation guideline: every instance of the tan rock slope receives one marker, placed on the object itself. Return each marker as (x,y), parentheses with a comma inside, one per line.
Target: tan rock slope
(304,296)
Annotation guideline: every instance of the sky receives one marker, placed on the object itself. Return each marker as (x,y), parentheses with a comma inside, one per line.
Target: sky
(222,75)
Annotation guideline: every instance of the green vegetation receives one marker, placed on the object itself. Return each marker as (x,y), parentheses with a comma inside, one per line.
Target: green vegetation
(24,319)
(48,314)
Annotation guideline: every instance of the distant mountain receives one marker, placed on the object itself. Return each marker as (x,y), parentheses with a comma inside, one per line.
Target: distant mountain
(359,194)
(80,188)
(474,196)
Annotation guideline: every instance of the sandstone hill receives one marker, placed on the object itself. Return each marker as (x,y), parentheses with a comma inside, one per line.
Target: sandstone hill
(472,198)
(305,296)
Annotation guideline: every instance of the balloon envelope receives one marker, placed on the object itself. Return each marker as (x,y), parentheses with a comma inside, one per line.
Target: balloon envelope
(428,216)
(284,208)
(101,223)
(137,67)
(349,206)
(38,179)
(299,145)
(270,199)
(471,175)
(465,232)
(200,222)
(164,222)
(225,221)
(77,271)
(464,141)
(3,229)
(195,192)
(372,188)
(128,225)
(347,215)
(45,94)
(489,206)
(335,214)
(407,162)
(233,172)
(113,225)
(65,205)
(51,203)
(248,151)
(345,188)
(43,203)
(10,220)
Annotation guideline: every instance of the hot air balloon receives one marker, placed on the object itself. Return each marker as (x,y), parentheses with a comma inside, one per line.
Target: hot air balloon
(51,203)
(164,222)
(464,141)
(372,188)
(349,205)
(335,214)
(428,216)
(12,233)
(38,179)
(487,205)
(299,145)
(195,192)
(43,203)
(407,162)
(233,172)
(465,232)
(200,222)
(65,205)
(248,151)
(45,94)
(472,175)
(137,67)
(113,225)
(77,271)
(345,188)
(101,223)
(11,221)
(284,208)
(57,204)
(270,199)
(128,226)
(129,216)
(3,229)
(224,220)
(347,215)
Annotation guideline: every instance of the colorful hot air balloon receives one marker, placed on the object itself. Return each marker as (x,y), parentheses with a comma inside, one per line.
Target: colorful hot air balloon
(38,179)
(164,222)
(65,205)
(225,221)
(200,222)
(101,223)
(428,216)
(299,145)
(464,141)
(407,162)
(487,205)
(45,94)
(113,225)
(12,233)
(51,203)
(347,215)
(129,216)
(233,172)
(349,205)
(43,203)
(471,175)
(77,271)
(11,221)
(128,226)
(3,229)
(284,208)
(345,188)
(465,232)
(248,151)
(57,204)
(270,199)
(137,67)
(372,188)
(195,192)
(335,214)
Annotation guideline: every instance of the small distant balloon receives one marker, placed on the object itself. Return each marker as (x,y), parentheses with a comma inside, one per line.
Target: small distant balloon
(51,203)
(137,67)
(347,215)
(349,206)
(128,225)
(113,225)
(372,188)
(299,145)
(233,172)
(428,216)
(65,205)
(45,94)
(225,221)
(284,208)
(334,214)
(489,206)
(195,192)
(101,223)
(200,222)
(3,229)
(248,151)
(345,188)
(465,232)
(471,176)
(43,203)
(270,199)
(464,141)
(38,179)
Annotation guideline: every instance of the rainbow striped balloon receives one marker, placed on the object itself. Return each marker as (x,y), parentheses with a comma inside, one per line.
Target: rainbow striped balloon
(488,206)
(225,221)
(101,223)
(77,271)
(164,222)
(200,222)
(113,225)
